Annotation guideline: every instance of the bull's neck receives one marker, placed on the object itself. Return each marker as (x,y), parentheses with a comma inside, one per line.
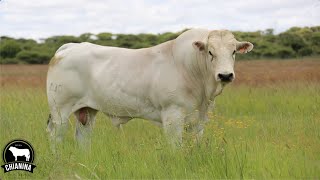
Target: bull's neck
(199,80)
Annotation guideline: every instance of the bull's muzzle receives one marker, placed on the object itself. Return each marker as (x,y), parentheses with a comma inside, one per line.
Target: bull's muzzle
(226,77)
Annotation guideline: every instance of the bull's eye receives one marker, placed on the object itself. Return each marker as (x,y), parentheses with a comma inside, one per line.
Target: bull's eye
(212,56)
(234,52)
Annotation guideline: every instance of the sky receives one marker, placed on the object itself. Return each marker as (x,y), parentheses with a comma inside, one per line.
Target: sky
(44,18)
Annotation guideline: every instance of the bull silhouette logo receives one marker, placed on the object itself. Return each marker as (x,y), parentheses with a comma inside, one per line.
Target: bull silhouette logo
(20,152)
(18,155)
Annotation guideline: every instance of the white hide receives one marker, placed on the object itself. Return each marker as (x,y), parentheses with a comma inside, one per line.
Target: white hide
(171,84)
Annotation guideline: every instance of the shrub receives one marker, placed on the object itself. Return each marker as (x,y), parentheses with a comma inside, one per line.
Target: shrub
(306,51)
(33,57)
(283,52)
(9,61)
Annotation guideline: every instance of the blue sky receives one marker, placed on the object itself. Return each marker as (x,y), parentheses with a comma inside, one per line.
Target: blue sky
(43,18)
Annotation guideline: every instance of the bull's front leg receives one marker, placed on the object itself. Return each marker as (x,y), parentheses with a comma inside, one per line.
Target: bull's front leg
(204,119)
(195,127)
(172,121)
(200,119)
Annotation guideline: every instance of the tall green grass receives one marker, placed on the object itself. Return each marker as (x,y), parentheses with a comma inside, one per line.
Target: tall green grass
(254,132)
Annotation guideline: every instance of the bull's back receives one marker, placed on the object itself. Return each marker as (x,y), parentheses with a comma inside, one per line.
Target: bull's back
(117,81)
(100,77)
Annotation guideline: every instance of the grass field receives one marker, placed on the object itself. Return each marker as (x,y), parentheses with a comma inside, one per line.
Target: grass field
(265,125)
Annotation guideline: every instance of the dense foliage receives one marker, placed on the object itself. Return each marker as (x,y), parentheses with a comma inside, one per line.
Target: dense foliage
(295,42)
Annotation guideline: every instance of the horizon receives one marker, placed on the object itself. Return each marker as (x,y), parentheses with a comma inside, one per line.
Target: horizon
(114,33)
(35,19)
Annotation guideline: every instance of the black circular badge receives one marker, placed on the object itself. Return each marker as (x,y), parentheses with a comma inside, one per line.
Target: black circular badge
(18,151)
(18,155)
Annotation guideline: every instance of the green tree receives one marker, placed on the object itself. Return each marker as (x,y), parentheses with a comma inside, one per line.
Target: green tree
(297,41)
(167,37)
(127,40)
(57,41)
(106,39)
(9,49)
(292,40)
(86,37)
(104,36)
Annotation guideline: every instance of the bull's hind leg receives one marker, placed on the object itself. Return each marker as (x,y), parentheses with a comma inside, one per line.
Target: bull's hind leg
(27,157)
(57,125)
(85,118)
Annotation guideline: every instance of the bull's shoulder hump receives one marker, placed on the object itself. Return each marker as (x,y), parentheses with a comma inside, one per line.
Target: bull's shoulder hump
(196,33)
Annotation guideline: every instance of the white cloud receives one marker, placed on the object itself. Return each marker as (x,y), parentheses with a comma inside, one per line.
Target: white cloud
(39,18)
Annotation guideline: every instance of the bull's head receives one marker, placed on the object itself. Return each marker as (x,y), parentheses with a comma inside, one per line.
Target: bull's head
(220,50)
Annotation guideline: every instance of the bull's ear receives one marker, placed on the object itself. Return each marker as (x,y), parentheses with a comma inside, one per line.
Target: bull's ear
(199,45)
(244,47)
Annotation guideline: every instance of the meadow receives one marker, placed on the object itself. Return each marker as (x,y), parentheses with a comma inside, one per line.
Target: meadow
(265,125)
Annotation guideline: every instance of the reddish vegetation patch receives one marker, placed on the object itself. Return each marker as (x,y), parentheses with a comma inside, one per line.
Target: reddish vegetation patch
(23,75)
(265,72)
(252,73)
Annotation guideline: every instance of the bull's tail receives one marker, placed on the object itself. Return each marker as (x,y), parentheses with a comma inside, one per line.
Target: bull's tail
(49,119)
(49,123)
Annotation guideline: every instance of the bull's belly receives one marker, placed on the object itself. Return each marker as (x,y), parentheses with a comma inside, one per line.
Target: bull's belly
(119,93)
(133,107)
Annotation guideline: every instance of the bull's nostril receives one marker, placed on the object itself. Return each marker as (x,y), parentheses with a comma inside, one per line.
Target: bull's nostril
(231,75)
(225,77)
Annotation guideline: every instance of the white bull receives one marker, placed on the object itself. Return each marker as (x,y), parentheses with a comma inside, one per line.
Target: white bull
(19,152)
(171,84)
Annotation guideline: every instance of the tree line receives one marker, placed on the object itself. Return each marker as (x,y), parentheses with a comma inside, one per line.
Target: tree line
(293,43)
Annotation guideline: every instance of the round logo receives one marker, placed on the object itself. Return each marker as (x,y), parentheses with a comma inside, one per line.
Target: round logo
(18,150)
(18,155)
